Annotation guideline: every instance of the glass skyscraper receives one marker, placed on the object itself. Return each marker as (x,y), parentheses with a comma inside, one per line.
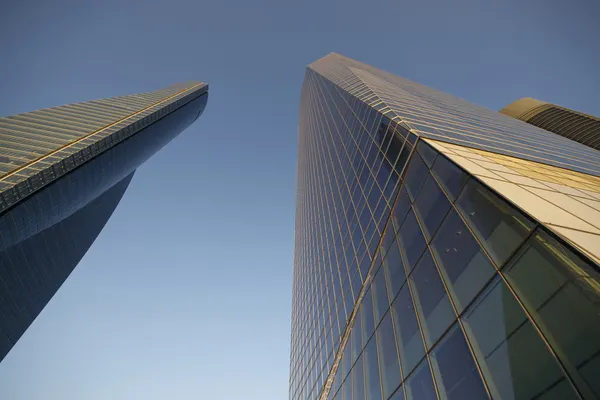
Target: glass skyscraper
(442,249)
(574,125)
(63,170)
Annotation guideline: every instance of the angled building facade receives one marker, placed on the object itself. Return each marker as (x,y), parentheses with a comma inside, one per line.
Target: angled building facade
(63,170)
(571,124)
(441,248)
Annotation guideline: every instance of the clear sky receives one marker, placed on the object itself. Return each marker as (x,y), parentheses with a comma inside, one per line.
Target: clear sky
(186,294)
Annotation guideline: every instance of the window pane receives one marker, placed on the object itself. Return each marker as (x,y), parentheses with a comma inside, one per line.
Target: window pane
(408,335)
(419,385)
(388,356)
(394,270)
(562,292)
(427,152)
(399,394)
(412,240)
(431,206)
(358,380)
(380,296)
(431,300)
(417,170)
(373,388)
(499,226)
(401,208)
(455,371)
(451,177)
(366,307)
(515,361)
(463,264)
(356,340)
(347,389)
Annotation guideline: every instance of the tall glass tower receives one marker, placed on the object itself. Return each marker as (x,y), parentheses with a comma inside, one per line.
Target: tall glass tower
(442,249)
(63,170)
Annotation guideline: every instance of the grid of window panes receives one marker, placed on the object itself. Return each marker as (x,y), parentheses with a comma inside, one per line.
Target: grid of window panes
(350,160)
(570,124)
(39,146)
(437,115)
(44,236)
(471,299)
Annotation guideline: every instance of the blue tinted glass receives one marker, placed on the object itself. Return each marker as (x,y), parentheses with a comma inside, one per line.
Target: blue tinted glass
(380,296)
(463,264)
(367,314)
(450,176)
(408,335)
(356,339)
(401,208)
(562,293)
(358,380)
(455,371)
(373,385)
(388,356)
(515,361)
(431,206)
(427,153)
(431,300)
(398,394)
(417,171)
(394,270)
(419,386)
(498,225)
(411,240)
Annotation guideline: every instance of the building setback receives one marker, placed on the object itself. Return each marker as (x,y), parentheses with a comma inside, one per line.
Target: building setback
(442,249)
(63,170)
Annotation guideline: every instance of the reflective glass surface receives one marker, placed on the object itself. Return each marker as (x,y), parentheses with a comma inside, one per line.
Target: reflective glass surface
(562,290)
(44,236)
(455,370)
(515,361)
(383,217)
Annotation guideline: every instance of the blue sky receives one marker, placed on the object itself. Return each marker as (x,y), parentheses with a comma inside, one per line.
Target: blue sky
(186,294)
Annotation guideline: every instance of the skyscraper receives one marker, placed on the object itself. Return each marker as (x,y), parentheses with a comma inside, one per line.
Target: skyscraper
(63,172)
(442,249)
(571,124)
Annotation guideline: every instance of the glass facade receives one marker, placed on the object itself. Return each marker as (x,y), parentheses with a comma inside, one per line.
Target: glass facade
(71,191)
(571,124)
(414,278)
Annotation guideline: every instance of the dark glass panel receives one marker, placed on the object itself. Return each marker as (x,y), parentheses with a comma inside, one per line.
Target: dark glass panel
(367,314)
(347,389)
(431,299)
(463,264)
(394,270)
(347,359)
(454,369)
(412,240)
(451,177)
(499,226)
(562,292)
(419,386)
(373,385)
(401,208)
(431,206)
(398,394)
(358,380)
(380,296)
(427,152)
(356,340)
(417,171)
(388,356)
(408,335)
(515,361)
